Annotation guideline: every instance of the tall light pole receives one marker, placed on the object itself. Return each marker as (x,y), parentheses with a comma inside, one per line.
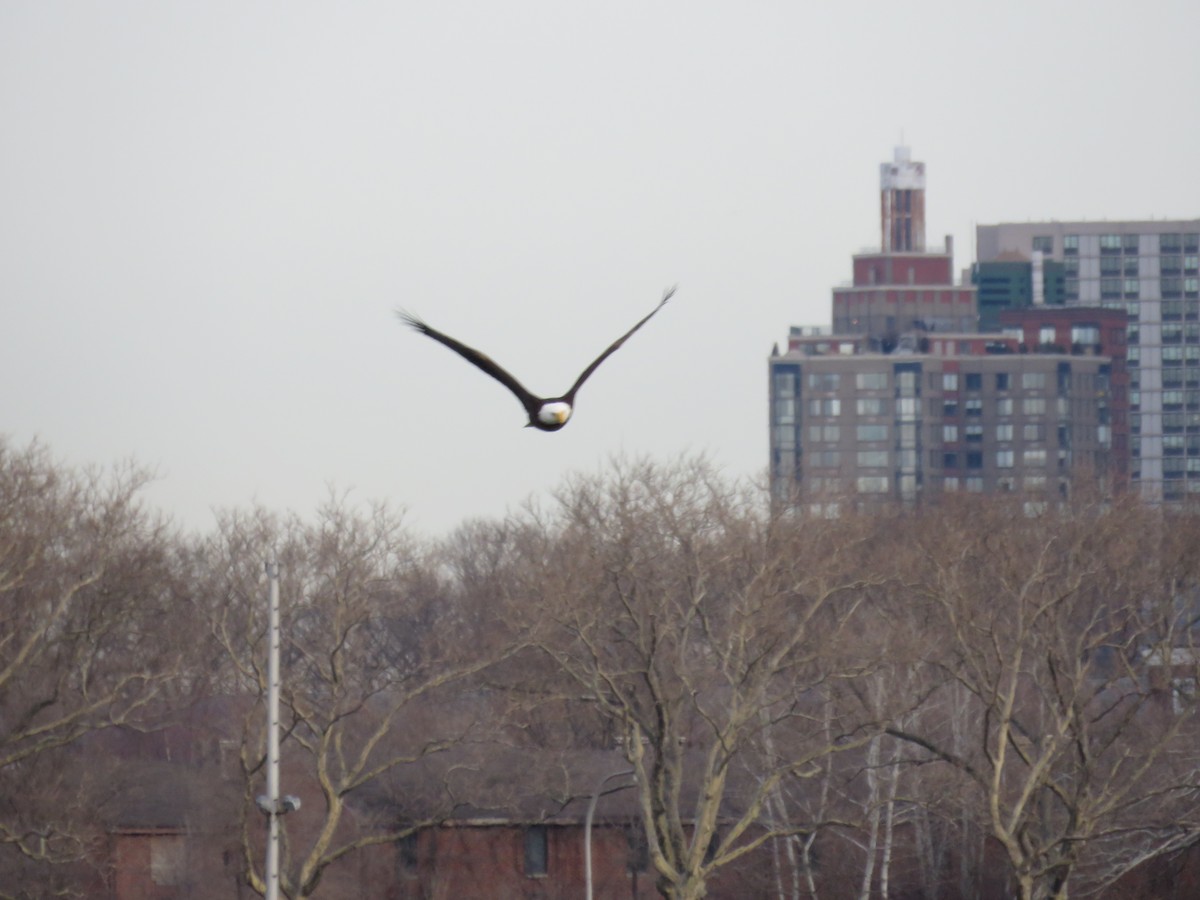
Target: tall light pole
(272,871)
(271,804)
(587,825)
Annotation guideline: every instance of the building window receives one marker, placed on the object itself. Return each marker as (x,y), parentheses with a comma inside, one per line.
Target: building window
(823,381)
(949,434)
(1033,381)
(1034,406)
(167,859)
(974,460)
(1071,245)
(1130,244)
(537,856)
(872,432)
(975,485)
(1085,334)
(1043,244)
(406,855)
(872,459)
(869,406)
(949,381)
(1004,406)
(1033,431)
(974,381)
(974,433)
(1004,432)
(1170,243)
(907,383)
(829,434)
(1034,456)
(1110,243)
(950,408)
(1132,289)
(828,407)
(974,406)
(1004,459)
(872,484)
(949,460)
(907,407)
(871,381)
(1002,381)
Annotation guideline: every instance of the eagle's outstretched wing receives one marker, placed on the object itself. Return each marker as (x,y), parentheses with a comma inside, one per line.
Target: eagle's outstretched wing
(478,359)
(570,395)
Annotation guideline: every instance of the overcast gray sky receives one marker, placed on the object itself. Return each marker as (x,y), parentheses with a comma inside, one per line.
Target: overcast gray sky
(209,211)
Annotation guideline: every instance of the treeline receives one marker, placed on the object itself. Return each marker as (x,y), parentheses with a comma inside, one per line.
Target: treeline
(983,698)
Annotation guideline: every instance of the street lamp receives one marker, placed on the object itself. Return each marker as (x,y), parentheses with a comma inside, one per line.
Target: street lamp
(272,805)
(587,824)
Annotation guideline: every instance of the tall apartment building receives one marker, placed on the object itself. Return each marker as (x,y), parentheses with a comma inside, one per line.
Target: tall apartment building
(1085,331)
(972,413)
(906,399)
(1151,271)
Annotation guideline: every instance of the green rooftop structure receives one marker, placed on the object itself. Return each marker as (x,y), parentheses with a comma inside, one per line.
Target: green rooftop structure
(1009,284)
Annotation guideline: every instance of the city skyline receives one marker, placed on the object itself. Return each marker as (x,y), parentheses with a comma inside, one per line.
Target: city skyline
(211,213)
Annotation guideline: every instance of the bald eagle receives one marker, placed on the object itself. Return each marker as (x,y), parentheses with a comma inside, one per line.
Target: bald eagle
(545,413)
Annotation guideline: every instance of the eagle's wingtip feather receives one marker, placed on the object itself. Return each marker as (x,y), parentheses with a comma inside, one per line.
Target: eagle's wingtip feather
(409,319)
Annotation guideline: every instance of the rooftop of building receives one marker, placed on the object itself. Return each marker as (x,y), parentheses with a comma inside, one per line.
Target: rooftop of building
(1100,226)
(936,344)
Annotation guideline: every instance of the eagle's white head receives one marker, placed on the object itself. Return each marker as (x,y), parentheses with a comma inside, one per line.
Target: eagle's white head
(555,413)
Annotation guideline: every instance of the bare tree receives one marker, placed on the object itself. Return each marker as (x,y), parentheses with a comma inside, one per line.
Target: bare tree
(1046,622)
(716,636)
(377,653)
(89,590)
